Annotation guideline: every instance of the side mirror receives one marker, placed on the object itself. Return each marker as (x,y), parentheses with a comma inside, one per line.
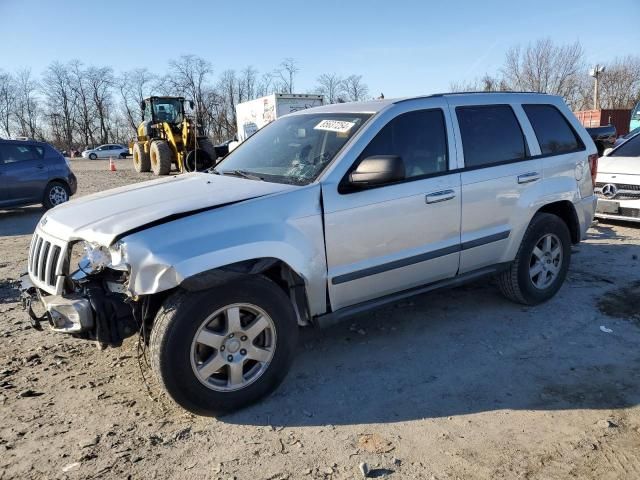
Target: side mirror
(378,170)
(607,151)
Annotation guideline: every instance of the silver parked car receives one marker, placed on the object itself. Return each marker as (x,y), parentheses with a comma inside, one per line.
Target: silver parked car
(106,151)
(320,215)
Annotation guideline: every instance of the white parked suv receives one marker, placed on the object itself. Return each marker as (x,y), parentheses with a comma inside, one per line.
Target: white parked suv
(323,214)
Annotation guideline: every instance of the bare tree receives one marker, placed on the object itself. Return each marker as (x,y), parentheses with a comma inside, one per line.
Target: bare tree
(619,85)
(331,85)
(286,73)
(189,76)
(134,86)
(7,101)
(100,81)
(85,116)
(61,102)
(545,67)
(355,89)
(26,103)
(266,85)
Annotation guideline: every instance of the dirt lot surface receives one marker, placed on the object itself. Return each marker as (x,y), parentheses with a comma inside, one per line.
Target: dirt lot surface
(453,384)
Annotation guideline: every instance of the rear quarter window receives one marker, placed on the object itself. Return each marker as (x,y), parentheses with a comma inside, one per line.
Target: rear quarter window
(554,133)
(491,135)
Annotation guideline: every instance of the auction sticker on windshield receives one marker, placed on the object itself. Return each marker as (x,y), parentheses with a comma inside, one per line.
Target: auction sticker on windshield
(340,126)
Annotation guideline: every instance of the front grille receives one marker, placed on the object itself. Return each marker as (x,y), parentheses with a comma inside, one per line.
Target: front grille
(46,262)
(621,186)
(630,212)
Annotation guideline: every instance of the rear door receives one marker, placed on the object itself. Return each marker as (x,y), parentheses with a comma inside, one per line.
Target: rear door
(498,174)
(24,172)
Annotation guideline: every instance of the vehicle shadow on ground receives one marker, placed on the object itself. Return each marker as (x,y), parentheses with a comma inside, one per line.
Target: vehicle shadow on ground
(19,221)
(462,351)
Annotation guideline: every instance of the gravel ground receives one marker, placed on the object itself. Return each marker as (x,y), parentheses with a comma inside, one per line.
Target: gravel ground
(453,384)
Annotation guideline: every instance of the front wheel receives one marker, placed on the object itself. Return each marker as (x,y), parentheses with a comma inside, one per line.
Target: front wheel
(92,156)
(219,350)
(541,264)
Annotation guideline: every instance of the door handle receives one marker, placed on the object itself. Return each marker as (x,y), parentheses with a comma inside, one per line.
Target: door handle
(441,196)
(529,177)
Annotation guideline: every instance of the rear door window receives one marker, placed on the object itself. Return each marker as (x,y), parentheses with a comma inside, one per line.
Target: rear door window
(491,135)
(552,130)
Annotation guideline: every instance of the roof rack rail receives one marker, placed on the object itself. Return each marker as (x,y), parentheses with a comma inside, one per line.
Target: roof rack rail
(462,93)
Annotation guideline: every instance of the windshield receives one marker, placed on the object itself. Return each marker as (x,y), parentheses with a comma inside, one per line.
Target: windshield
(293,149)
(636,112)
(630,148)
(167,110)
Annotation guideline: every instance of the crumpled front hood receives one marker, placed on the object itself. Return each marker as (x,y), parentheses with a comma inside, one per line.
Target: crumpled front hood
(622,165)
(104,216)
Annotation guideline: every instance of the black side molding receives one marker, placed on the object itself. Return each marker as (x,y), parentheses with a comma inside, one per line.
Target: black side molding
(405,262)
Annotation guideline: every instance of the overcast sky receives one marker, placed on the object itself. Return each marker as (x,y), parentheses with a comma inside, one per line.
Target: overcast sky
(400,47)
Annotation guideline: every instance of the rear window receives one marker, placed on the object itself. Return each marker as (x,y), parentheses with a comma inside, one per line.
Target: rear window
(630,148)
(491,134)
(552,130)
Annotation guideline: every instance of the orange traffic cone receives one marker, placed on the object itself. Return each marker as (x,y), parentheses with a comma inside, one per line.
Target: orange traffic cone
(112,165)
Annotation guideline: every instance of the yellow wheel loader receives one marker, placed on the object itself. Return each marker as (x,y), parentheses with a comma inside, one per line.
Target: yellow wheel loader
(167,138)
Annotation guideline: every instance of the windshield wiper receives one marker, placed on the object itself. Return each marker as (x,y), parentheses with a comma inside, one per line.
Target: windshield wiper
(239,173)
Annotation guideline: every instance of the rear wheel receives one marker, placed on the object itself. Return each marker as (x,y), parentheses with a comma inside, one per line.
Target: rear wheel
(217,351)
(55,194)
(161,157)
(541,264)
(141,162)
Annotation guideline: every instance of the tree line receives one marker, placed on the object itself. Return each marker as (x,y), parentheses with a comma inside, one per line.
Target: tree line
(544,66)
(73,105)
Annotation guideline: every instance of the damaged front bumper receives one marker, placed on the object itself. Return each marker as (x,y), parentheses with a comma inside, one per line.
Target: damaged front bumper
(94,314)
(65,314)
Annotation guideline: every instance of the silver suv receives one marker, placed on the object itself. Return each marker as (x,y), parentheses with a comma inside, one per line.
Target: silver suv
(320,215)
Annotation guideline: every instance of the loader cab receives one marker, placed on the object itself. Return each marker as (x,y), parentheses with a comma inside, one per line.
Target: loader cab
(163,109)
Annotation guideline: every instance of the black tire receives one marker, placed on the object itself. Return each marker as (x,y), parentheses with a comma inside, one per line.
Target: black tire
(161,157)
(515,282)
(207,145)
(55,193)
(92,156)
(141,162)
(178,322)
(123,155)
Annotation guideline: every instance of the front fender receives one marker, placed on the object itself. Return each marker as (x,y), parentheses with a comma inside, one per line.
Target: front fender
(285,226)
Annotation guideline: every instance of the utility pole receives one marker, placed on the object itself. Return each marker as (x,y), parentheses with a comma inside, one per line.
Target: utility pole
(595,72)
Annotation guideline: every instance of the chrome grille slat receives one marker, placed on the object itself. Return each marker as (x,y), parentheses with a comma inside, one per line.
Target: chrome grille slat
(46,262)
(36,257)
(42,260)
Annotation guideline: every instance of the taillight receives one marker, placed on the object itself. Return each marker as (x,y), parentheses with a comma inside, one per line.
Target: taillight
(593,165)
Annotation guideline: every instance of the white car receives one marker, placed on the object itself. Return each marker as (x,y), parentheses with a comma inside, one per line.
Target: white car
(618,183)
(111,150)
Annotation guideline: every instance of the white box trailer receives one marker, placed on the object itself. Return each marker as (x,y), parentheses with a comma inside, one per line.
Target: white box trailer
(253,115)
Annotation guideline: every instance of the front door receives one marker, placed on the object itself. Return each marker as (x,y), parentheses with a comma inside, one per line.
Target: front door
(392,238)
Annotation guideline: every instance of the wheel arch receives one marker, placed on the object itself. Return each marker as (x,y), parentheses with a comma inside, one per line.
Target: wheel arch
(566,211)
(276,270)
